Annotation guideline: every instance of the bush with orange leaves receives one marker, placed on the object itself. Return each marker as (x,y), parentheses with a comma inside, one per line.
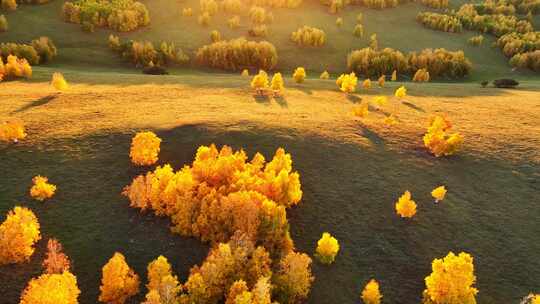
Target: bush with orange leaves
(15,68)
(18,235)
(451,281)
(145,148)
(119,282)
(57,288)
(221,193)
(12,130)
(438,140)
(42,190)
(55,261)
(371,293)
(405,206)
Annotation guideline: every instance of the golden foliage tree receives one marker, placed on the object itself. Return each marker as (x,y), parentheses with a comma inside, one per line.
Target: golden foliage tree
(245,73)
(12,130)
(18,235)
(162,284)
(405,206)
(325,75)
(277,83)
(118,282)
(358,31)
(366,84)
(309,36)
(42,189)
(327,248)
(3,26)
(421,75)
(299,75)
(56,288)
(400,92)
(451,280)
(294,278)
(438,193)
(145,148)
(55,261)
(438,139)
(371,293)
(382,81)
(59,82)
(17,68)
(260,82)
(347,82)
(394,76)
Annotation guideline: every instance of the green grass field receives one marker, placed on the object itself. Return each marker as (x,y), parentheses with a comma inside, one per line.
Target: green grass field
(352,171)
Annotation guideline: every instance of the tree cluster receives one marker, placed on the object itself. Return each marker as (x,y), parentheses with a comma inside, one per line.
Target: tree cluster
(38,51)
(440,22)
(143,53)
(309,36)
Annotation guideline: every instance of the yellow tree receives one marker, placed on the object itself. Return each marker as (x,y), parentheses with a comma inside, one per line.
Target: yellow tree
(347,82)
(405,206)
(245,73)
(260,82)
(438,193)
(451,280)
(18,235)
(325,75)
(394,76)
(55,261)
(327,248)
(162,281)
(145,147)
(381,81)
(58,288)
(366,84)
(294,277)
(401,92)
(277,84)
(42,190)
(371,293)
(59,82)
(12,130)
(299,75)
(118,281)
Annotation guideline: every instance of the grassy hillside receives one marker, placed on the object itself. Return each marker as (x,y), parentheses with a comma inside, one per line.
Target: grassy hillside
(395,28)
(351,171)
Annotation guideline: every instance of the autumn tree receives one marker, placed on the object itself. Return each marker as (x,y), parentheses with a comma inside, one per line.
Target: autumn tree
(277,84)
(347,82)
(59,82)
(451,280)
(438,193)
(325,75)
(327,248)
(55,288)
(293,278)
(41,188)
(366,84)
(162,284)
(18,235)
(118,282)
(260,82)
(438,138)
(371,293)
(299,75)
(400,92)
(12,130)
(145,147)
(55,260)
(394,76)
(3,26)
(381,81)
(405,206)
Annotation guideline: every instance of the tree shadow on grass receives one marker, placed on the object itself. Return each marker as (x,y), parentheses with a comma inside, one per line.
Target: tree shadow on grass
(413,106)
(263,99)
(36,103)
(304,89)
(282,101)
(377,140)
(354,98)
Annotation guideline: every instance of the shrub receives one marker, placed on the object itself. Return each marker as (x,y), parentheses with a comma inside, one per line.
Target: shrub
(11,130)
(215,36)
(42,190)
(373,42)
(277,84)
(438,4)
(234,22)
(17,68)
(299,75)
(9,5)
(440,22)
(490,7)
(238,54)
(362,110)
(258,31)
(422,75)
(438,140)
(309,36)
(55,261)
(327,248)
(405,206)
(58,288)
(339,22)
(530,60)
(505,83)
(358,31)
(18,234)
(400,92)
(204,19)
(381,4)
(373,63)
(3,24)
(118,282)
(143,53)
(245,73)
(187,12)
(366,84)
(145,148)
(394,76)
(438,193)
(260,82)
(119,15)
(114,43)
(371,293)
(191,199)
(451,280)
(476,40)
(440,62)
(59,82)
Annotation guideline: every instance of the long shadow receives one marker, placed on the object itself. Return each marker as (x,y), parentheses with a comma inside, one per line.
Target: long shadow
(413,106)
(263,99)
(354,98)
(282,101)
(36,103)
(304,89)
(372,136)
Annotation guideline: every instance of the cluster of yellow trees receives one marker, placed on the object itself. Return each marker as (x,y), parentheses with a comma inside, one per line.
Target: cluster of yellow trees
(12,130)
(309,36)
(41,50)
(143,53)
(238,54)
(440,22)
(15,68)
(522,48)
(438,139)
(119,15)
(260,83)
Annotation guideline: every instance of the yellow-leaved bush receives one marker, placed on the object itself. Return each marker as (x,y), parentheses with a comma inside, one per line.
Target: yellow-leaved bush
(438,139)
(299,75)
(15,68)
(222,193)
(400,92)
(371,293)
(59,82)
(277,84)
(145,148)
(451,280)
(57,288)
(327,248)
(118,282)
(41,189)
(405,206)
(347,82)
(260,82)
(12,130)
(438,193)
(18,235)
